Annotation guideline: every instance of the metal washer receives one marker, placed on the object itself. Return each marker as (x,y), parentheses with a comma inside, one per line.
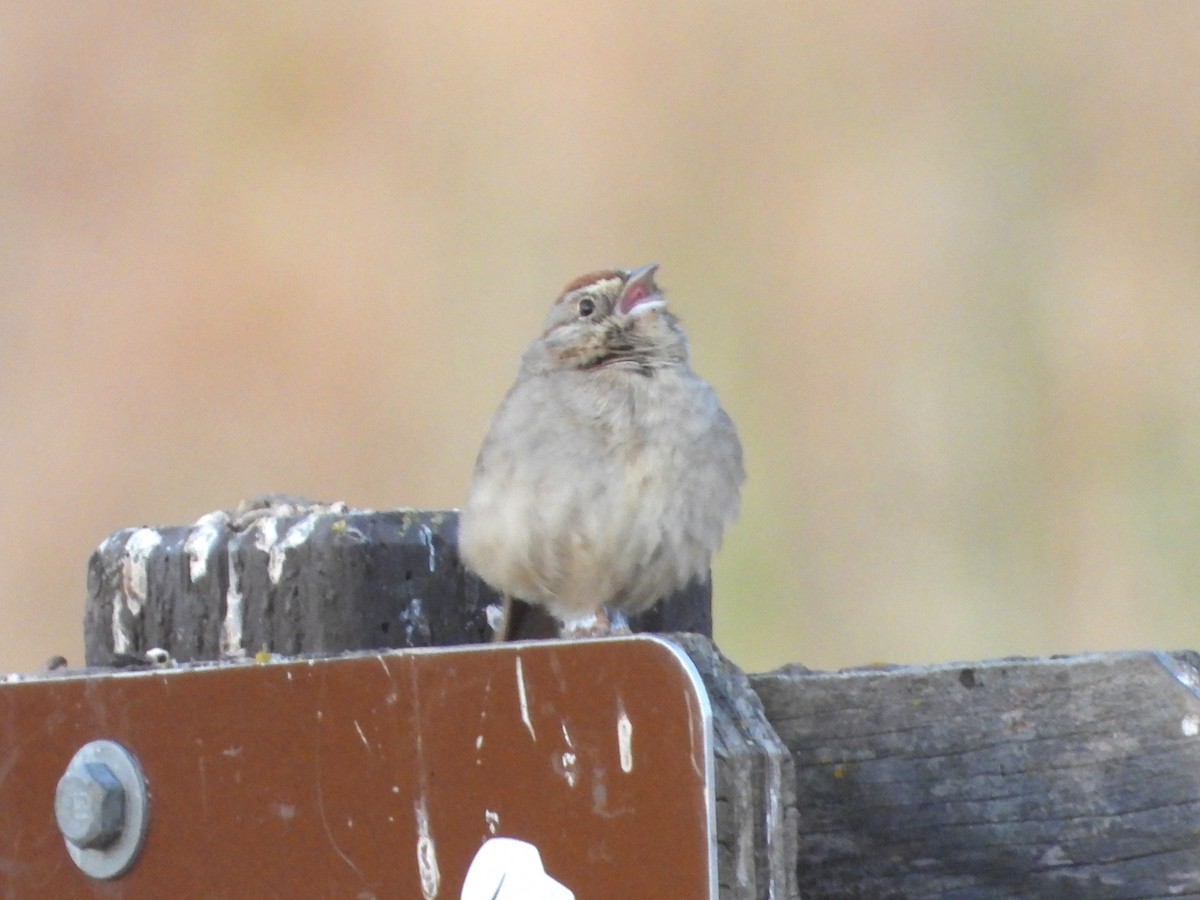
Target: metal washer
(116,858)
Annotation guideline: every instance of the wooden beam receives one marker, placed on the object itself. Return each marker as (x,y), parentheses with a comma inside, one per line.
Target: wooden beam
(1071,777)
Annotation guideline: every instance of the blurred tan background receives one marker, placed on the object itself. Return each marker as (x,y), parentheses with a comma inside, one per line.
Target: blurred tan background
(942,261)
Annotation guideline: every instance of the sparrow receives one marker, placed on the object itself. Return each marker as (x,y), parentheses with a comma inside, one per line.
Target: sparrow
(610,471)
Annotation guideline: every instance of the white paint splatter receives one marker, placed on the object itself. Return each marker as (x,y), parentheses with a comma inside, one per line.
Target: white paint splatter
(492,818)
(524,701)
(232,752)
(1190,726)
(231,627)
(427,864)
(427,540)
(296,535)
(624,738)
(199,546)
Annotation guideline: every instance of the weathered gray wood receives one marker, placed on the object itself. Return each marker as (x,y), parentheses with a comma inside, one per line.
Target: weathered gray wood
(755,784)
(1057,778)
(322,582)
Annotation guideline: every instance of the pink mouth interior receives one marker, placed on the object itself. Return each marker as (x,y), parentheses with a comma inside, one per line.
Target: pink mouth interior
(633,297)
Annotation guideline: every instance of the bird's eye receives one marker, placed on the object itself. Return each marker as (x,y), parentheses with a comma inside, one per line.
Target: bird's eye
(586,307)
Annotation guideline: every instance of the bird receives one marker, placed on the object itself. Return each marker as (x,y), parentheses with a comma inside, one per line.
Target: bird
(610,470)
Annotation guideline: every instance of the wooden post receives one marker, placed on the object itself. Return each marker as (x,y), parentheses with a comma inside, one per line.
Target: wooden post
(318,582)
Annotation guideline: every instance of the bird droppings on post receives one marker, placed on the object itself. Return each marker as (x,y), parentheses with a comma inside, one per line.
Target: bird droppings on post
(416,624)
(233,623)
(350,587)
(266,533)
(1190,726)
(524,701)
(295,536)
(199,544)
(127,607)
(492,818)
(427,539)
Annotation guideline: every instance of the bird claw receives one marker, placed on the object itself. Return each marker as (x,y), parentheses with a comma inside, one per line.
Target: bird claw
(602,623)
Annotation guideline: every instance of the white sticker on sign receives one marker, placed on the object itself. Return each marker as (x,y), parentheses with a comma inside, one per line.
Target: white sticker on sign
(508,869)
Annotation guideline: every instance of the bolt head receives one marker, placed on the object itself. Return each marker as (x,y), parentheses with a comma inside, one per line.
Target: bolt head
(90,806)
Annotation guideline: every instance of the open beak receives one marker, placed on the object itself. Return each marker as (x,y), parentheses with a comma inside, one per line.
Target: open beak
(640,290)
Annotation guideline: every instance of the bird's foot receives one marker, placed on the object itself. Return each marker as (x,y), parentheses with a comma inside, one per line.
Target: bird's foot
(602,623)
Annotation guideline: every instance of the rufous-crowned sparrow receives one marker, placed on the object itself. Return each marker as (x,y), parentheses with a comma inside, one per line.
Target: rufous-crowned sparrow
(610,470)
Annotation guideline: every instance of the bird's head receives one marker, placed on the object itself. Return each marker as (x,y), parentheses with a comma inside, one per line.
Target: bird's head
(613,318)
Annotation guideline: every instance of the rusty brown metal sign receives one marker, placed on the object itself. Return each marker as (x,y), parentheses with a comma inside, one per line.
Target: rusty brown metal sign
(382,775)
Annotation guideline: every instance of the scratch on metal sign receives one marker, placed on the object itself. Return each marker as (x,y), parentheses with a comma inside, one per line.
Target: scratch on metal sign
(524,701)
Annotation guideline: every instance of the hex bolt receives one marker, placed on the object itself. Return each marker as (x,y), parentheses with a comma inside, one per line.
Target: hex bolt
(90,806)
(102,806)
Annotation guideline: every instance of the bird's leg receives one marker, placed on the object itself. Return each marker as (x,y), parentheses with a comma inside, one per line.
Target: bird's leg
(502,624)
(618,623)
